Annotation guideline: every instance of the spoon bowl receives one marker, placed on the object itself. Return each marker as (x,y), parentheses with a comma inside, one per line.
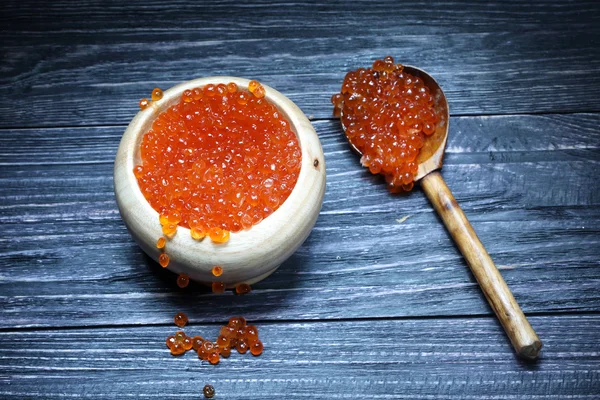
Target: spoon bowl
(517,327)
(431,154)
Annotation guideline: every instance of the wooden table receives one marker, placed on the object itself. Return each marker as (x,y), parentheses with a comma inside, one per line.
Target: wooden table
(378,303)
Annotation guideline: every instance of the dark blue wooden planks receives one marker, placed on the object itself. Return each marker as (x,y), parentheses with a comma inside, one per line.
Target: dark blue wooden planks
(80,63)
(527,183)
(458,358)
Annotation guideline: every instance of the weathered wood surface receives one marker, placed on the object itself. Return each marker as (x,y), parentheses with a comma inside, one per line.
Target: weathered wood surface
(403,359)
(527,183)
(374,304)
(72,63)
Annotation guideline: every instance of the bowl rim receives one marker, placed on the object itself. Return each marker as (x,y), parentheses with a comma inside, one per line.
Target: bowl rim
(275,238)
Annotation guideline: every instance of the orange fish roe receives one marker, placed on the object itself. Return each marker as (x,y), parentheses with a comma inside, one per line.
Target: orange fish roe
(235,335)
(161,242)
(219,161)
(183,280)
(180,319)
(157,94)
(217,270)
(144,103)
(243,288)
(218,287)
(163,260)
(209,391)
(179,343)
(387,114)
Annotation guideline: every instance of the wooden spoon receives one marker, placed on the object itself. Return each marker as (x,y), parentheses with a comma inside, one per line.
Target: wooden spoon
(521,334)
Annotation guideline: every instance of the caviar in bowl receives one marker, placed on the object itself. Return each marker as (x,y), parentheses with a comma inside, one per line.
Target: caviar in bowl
(250,254)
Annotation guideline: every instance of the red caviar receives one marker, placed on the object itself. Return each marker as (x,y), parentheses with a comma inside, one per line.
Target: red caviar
(235,335)
(387,114)
(219,161)
(183,280)
(144,103)
(163,260)
(180,319)
(157,94)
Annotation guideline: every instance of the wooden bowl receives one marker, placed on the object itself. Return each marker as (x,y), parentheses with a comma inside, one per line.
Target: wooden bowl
(249,256)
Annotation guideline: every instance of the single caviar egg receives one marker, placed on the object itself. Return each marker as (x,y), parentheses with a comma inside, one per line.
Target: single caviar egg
(180,319)
(163,260)
(219,161)
(169,230)
(197,342)
(144,103)
(251,333)
(218,235)
(170,341)
(177,349)
(387,114)
(161,242)
(157,94)
(209,391)
(183,280)
(217,270)
(226,352)
(218,287)
(256,348)
(197,233)
(243,288)
(214,358)
(242,346)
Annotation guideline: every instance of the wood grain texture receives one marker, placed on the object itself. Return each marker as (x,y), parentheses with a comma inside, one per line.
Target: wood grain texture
(524,339)
(454,358)
(73,63)
(527,183)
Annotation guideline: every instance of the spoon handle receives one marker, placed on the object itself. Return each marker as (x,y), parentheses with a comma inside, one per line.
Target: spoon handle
(521,334)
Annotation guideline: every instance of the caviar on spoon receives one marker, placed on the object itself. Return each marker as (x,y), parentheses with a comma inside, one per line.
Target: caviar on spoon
(397,118)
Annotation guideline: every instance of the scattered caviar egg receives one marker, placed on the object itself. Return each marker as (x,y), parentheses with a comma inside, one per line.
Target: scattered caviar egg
(242,346)
(209,391)
(157,94)
(243,288)
(144,103)
(217,270)
(387,115)
(170,341)
(223,341)
(220,160)
(227,331)
(237,322)
(183,280)
(251,333)
(197,342)
(256,348)
(161,242)
(163,260)
(187,343)
(180,319)
(218,287)
(226,352)
(214,358)
(177,349)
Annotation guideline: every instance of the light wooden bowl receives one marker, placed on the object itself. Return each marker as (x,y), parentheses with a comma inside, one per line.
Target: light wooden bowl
(249,256)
